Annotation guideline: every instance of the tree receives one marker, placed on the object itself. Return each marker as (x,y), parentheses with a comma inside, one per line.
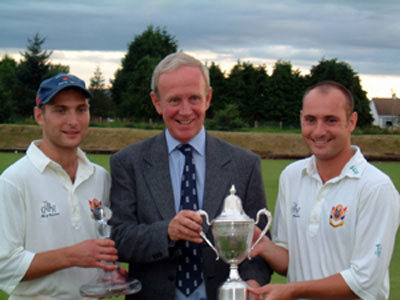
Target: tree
(245,87)
(131,87)
(226,118)
(286,87)
(344,74)
(31,71)
(218,83)
(8,88)
(100,104)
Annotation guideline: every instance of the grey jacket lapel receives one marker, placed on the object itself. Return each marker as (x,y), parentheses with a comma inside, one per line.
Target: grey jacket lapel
(156,173)
(218,176)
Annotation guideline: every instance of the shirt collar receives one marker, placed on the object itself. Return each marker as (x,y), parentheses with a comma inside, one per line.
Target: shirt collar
(41,160)
(353,168)
(198,142)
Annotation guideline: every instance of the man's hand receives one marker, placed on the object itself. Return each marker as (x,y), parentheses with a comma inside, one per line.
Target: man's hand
(254,284)
(273,292)
(186,225)
(87,254)
(93,254)
(261,246)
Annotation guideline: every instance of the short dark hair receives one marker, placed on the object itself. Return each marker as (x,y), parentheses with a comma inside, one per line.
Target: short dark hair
(325,86)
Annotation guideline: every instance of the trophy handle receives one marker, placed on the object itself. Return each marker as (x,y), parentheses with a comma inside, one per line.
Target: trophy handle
(269,218)
(203,235)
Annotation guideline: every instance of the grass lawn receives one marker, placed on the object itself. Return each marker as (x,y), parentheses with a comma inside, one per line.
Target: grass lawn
(271,170)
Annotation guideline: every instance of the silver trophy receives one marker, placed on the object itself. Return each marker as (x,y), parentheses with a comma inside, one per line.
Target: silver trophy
(233,233)
(108,283)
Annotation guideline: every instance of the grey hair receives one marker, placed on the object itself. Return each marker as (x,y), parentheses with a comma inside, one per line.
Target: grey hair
(174,61)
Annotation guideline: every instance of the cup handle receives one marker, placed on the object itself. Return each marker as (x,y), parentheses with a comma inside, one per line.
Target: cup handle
(269,218)
(203,235)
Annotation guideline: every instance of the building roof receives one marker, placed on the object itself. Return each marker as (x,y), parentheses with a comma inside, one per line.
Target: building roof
(387,106)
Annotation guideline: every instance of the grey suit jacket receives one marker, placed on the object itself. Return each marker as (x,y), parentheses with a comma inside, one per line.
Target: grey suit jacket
(142,204)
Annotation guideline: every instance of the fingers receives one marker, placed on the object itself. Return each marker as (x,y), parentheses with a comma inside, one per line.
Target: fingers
(257,232)
(106,246)
(105,250)
(254,285)
(186,225)
(259,291)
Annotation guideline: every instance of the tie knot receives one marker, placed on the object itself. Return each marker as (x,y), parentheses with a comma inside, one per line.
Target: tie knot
(186,149)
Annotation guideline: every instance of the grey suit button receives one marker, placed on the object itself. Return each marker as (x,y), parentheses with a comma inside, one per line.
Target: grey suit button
(171,277)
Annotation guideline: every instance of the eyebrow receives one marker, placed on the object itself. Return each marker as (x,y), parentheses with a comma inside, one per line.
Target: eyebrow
(325,117)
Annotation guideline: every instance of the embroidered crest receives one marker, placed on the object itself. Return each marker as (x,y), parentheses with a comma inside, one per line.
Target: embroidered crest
(338,213)
(95,203)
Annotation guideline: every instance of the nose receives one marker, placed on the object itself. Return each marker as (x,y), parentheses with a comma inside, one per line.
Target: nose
(319,129)
(185,107)
(72,118)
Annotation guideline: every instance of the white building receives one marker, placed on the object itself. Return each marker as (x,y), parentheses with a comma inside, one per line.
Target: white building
(386,112)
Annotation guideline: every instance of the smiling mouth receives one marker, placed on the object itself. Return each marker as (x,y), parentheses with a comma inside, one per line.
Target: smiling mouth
(320,142)
(187,122)
(71,132)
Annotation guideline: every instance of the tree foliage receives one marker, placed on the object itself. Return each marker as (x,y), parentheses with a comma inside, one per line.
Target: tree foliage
(343,73)
(8,88)
(246,88)
(100,104)
(285,89)
(227,118)
(247,95)
(31,71)
(131,87)
(219,85)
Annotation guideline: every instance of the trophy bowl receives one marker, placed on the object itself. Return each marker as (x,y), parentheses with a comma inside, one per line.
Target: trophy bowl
(233,233)
(233,239)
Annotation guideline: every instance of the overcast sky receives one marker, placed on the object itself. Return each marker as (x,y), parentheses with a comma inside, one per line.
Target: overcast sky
(86,33)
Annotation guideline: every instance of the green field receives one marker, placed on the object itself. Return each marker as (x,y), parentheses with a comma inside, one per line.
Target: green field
(271,170)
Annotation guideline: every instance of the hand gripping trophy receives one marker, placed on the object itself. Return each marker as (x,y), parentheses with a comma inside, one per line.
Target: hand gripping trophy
(108,283)
(233,233)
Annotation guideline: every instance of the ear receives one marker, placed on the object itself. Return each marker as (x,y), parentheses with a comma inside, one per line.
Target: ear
(156,102)
(208,97)
(301,118)
(39,115)
(352,121)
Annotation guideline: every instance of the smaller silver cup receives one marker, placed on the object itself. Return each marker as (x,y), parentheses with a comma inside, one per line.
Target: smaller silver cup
(233,233)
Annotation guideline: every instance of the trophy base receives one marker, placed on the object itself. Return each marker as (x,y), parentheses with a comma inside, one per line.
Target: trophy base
(110,286)
(234,290)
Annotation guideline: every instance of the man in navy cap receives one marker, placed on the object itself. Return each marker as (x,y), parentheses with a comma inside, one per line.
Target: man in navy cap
(48,239)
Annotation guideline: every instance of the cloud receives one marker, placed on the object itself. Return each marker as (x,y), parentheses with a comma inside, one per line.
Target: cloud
(361,33)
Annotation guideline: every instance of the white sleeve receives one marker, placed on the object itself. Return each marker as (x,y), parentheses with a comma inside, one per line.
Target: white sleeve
(378,221)
(14,259)
(279,230)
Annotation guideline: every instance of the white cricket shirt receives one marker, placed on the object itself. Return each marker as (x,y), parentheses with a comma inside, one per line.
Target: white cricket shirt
(41,210)
(347,225)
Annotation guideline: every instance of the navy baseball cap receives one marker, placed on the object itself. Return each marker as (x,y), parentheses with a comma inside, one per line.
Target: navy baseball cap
(51,86)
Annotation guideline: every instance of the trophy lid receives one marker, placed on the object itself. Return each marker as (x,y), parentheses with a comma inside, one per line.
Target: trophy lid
(233,209)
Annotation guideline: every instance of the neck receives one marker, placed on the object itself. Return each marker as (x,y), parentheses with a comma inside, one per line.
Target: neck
(330,168)
(67,158)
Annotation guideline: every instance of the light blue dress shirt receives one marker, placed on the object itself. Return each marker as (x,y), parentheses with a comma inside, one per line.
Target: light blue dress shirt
(176,165)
